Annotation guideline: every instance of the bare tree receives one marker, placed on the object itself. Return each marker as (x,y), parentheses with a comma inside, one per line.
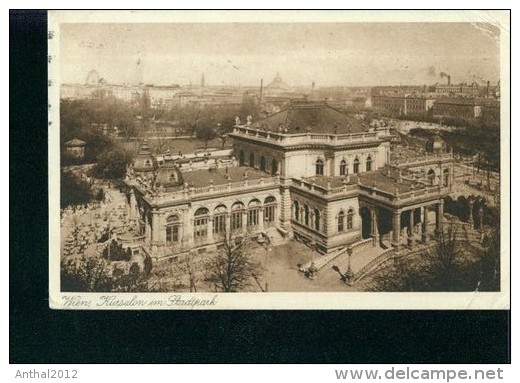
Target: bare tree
(448,265)
(233,268)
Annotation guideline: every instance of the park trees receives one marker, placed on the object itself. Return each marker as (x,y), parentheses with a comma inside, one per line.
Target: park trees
(233,267)
(111,163)
(206,134)
(97,274)
(73,191)
(451,264)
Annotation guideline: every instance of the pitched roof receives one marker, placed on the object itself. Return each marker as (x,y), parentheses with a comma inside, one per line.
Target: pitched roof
(221,176)
(75,142)
(313,116)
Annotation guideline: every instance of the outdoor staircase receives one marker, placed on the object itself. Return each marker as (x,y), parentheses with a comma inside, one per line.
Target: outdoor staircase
(376,262)
(324,260)
(275,236)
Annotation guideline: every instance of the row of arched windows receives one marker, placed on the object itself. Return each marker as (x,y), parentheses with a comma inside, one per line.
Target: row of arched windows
(343,166)
(445,177)
(273,165)
(202,217)
(348,217)
(306,215)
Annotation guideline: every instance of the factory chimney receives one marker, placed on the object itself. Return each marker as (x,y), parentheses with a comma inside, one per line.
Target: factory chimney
(261,90)
(449,80)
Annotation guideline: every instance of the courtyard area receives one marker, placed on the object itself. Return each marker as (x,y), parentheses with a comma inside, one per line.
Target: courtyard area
(282,275)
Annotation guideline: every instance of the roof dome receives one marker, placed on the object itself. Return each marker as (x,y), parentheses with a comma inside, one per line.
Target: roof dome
(436,144)
(75,142)
(168,176)
(144,161)
(93,78)
(278,83)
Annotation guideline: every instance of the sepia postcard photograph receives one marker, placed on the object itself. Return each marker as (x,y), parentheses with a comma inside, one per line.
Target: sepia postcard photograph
(279,160)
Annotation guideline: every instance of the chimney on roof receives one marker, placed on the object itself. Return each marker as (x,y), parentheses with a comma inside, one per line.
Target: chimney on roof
(261,90)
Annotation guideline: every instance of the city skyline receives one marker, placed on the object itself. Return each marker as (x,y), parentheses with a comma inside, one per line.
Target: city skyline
(330,54)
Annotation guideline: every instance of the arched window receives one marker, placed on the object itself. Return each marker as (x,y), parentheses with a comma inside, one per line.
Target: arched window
(219,219)
(446,174)
(350,219)
(317,219)
(341,221)
(319,167)
(200,225)
(431,176)
(262,163)
(369,164)
(343,169)
(274,167)
(306,215)
(356,166)
(252,160)
(237,212)
(172,229)
(241,158)
(296,210)
(270,210)
(253,210)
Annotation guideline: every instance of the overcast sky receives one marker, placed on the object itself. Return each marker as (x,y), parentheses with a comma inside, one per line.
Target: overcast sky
(343,54)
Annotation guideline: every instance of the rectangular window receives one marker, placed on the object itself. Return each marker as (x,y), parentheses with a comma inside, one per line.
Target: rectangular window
(350,221)
(252,217)
(172,234)
(236,221)
(219,224)
(269,214)
(200,229)
(341,226)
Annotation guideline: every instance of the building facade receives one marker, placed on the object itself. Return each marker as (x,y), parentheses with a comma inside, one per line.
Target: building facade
(404,105)
(329,190)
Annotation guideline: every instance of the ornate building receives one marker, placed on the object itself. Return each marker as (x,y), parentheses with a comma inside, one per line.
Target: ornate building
(308,172)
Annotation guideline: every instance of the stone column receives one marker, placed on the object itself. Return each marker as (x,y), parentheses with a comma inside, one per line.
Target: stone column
(244,221)
(261,218)
(133,205)
(425,224)
(181,232)
(470,219)
(210,229)
(375,230)
(440,220)
(285,209)
(155,227)
(228,225)
(147,230)
(187,231)
(411,234)
(396,224)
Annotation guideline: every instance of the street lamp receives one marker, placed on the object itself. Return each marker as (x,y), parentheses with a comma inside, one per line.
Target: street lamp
(349,274)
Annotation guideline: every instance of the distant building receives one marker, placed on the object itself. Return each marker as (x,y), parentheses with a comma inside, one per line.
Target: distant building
(436,144)
(404,104)
(277,85)
(459,107)
(473,89)
(75,148)
(93,78)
